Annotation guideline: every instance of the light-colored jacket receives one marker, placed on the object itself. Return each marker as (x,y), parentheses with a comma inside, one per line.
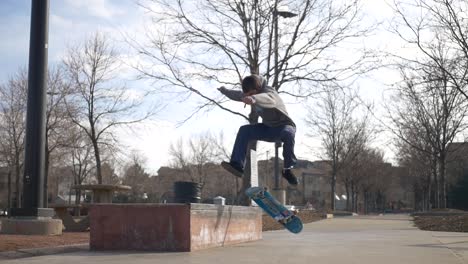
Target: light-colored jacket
(268,104)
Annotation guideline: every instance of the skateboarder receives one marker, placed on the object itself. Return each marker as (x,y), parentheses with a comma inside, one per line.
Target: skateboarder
(276,125)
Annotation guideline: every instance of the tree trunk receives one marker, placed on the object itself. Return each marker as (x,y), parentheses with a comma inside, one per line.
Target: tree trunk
(356,196)
(425,199)
(415,199)
(353,201)
(18,182)
(333,186)
(428,192)
(436,182)
(9,189)
(443,194)
(424,202)
(98,161)
(348,208)
(77,195)
(364,197)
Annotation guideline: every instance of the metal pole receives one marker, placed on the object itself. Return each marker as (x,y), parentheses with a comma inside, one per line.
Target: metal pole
(275,19)
(277,177)
(275,85)
(276,15)
(34,162)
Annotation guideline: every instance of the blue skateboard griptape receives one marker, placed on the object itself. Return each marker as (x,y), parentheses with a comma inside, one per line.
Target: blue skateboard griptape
(271,206)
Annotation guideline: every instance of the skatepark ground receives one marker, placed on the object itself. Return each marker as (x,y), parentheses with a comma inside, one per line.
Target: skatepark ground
(358,239)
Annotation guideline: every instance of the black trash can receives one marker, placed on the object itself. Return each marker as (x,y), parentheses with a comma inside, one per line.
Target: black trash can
(187,192)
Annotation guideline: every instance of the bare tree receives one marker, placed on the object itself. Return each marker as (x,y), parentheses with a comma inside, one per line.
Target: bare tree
(240,38)
(334,119)
(221,151)
(353,161)
(13,97)
(198,157)
(433,109)
(438,21)
(373,181)
(98,104)
(81,161)
(196,45)
(420,165)
(109,172)
(57,122)
(136,177)
(13,108)
(434,79)
(192,158)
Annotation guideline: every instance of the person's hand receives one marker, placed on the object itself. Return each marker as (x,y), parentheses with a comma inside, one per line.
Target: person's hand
(222,89)
(248,100)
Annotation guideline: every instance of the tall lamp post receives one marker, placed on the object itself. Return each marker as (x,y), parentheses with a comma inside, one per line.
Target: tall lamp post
(32,218)
(34,163)
(278,192)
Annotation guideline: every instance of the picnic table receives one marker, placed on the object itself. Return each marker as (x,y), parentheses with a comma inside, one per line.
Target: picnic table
(102,193)
(70,224)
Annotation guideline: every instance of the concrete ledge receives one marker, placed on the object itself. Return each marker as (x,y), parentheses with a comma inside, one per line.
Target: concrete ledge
(31,226)
(171,227)
(438,213)
(33,252)
(338,214)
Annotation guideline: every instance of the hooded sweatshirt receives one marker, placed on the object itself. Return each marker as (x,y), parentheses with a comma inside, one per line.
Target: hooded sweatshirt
(268,104)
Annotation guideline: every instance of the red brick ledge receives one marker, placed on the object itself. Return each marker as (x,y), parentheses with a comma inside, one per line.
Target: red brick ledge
(172,227)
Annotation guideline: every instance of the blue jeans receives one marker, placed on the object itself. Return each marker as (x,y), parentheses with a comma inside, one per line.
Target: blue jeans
(247,133)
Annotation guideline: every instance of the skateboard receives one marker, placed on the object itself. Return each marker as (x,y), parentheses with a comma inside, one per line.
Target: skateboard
(275,209)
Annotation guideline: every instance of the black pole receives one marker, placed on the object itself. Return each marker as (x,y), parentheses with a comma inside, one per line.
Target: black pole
(276,39)
(33,178)
(277,177)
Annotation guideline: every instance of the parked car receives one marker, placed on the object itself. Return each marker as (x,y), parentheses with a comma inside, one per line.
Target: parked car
(3,212)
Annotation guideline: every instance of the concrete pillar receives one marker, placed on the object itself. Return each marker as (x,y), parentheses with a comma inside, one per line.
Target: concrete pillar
(31,226)
(280,195)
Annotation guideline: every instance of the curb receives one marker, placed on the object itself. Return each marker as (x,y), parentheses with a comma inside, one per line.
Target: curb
(33,252)
(439,214)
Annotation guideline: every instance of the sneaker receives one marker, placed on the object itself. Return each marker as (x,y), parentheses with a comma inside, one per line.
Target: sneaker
(289,176)
(234,168)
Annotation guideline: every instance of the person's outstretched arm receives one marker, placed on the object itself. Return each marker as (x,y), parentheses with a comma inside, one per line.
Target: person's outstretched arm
(234,95)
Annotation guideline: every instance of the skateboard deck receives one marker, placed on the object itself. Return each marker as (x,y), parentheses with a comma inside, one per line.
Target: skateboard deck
(275,209)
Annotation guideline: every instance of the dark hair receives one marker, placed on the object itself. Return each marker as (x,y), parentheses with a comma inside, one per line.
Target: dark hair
(252,82)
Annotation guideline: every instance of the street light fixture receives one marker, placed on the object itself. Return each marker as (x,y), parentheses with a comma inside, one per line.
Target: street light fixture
(284,14)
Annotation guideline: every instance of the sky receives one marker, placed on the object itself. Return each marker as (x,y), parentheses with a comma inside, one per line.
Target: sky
(71,21)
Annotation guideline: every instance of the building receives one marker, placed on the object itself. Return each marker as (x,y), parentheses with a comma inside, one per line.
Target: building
(4,188)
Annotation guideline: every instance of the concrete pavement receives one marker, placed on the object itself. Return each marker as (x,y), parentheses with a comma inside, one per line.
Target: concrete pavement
(361,240)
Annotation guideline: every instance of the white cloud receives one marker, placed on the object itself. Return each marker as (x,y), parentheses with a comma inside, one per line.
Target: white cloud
(98,8)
